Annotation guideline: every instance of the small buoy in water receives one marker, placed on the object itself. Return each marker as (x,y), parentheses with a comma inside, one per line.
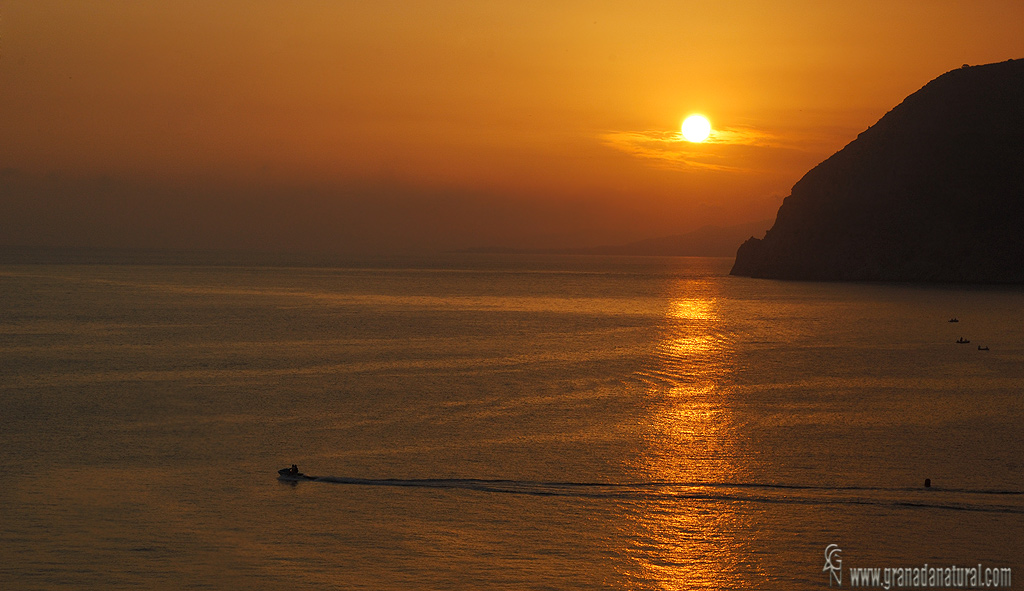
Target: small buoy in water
(927,482)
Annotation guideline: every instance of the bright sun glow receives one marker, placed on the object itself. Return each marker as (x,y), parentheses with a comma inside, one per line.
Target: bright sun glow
(696,128)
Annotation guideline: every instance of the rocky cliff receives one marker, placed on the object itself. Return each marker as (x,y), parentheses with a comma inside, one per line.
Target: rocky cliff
(934,191)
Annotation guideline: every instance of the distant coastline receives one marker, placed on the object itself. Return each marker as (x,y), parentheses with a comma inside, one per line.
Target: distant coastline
(13,256)
(708,241)
(69,255)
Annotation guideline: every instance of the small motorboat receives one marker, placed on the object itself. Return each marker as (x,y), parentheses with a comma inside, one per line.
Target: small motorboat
(292,475)
(980,348)
(962,341)
(953,319)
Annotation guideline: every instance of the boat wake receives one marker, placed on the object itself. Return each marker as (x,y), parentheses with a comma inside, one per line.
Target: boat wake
(957,499)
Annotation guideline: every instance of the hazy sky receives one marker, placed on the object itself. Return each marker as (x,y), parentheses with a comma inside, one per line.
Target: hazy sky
(377,125)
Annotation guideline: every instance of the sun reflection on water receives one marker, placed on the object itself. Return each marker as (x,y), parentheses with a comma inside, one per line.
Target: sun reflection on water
(690,308)
(689,436)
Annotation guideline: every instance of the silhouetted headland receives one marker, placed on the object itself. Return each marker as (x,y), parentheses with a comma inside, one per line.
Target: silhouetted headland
(933,192)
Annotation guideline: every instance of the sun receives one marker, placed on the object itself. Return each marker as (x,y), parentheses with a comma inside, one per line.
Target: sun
(696,128)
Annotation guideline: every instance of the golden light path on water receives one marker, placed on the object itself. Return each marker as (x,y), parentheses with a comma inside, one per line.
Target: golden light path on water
(690,436)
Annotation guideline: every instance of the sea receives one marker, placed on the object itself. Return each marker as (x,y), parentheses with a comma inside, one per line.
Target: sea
(501,422)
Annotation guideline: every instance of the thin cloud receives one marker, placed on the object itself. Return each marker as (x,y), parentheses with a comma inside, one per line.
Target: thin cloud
(664,149)
(724,150)
(742,136)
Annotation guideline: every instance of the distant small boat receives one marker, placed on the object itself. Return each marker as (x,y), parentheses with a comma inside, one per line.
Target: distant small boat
(953,319)
(292,475)
(980,348)
(962,341)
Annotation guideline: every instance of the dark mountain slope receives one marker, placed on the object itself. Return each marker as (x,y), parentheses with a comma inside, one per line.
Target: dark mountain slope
(932,192)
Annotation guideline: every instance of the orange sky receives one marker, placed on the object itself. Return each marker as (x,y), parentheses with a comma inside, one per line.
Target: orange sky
(364,126)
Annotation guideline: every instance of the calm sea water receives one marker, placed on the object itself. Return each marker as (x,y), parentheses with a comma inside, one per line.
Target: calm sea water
(499,423)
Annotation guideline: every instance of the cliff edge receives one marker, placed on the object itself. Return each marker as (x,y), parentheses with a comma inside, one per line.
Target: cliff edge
(933,192)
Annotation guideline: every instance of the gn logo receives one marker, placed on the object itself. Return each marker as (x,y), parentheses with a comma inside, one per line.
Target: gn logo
(833,564)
